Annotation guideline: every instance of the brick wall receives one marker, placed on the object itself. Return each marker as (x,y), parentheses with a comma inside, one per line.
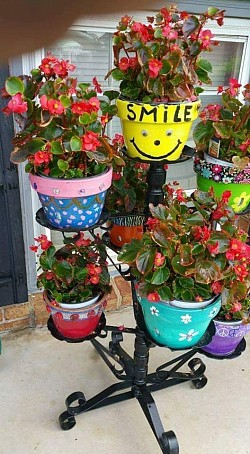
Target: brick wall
(33,313)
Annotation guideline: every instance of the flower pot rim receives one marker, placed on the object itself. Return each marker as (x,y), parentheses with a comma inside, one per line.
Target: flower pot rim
(157,103)
(215,300)
(55,187)
(69,310)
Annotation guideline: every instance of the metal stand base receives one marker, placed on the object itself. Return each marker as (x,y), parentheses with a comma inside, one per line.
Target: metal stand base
(132,373)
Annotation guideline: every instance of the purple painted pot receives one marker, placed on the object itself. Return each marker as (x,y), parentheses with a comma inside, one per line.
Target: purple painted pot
(227,337)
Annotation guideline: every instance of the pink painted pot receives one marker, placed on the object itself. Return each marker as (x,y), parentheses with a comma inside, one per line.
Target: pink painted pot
(72,203)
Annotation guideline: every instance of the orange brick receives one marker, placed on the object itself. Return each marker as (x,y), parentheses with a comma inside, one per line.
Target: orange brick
(124,289)
(112,302)
(1,315)
(14,325)
(16,311)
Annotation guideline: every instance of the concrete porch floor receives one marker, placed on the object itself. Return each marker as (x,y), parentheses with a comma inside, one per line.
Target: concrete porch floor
(37,373)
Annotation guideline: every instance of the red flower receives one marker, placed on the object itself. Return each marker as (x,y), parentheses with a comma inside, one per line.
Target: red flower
(34,248)
(213,248)
(94,279)
(201,233)
(241,271)
(226,196)
(151,223)
(62,68)
(154,66)
(116,176)
(153,297)
(90,141)
(123,64)
(216,287)
(55,107)
(118,140)
(94,104)
(233,86)
(49,275)
(80,108)
(180,195)
(44,242)
(17,105)
(45,66)
(82,242)
(97,86)
(42,157)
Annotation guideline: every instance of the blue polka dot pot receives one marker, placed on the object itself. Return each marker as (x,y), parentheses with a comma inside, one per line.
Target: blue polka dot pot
(76,203)
(175,327)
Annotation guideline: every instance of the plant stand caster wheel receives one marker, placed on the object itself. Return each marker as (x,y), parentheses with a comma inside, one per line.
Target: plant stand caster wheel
(78,397)
(66,421)
(169,443)
(198,368)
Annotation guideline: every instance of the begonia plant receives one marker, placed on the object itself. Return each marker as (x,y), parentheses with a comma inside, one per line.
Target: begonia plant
(224,129)
(75,272)
(62,122)
(161,60)
(192,251)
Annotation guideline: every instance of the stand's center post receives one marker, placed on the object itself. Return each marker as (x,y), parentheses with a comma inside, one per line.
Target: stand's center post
(156,178)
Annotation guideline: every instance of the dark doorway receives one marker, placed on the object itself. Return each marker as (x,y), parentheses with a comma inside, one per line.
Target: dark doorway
(13,283)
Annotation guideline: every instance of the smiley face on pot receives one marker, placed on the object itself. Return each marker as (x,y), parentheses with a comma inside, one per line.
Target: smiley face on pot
(156,131)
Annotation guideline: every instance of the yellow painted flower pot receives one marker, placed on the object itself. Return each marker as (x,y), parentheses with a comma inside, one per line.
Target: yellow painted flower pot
(156,132)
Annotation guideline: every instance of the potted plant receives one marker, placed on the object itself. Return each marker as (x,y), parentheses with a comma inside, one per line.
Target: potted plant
(222,139)
(62,136)
(75,281)
(231,325)
(160,70)
(126,199)
(191,254)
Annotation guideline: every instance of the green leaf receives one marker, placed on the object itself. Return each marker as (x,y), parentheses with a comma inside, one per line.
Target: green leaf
(145,260)
(111,94)
(81,274)
(75,143)
(85,119)
(117,74)
(202,133)
(35,145)
(166,67)
(62,165)
(212,11)
(63,270)
(224,128)
(190,25)
(205,65)
(207,271)
(197,249)
(160,276)
(203,76)
(56,147)
(165,293)
(14,85)
(84,86)
(65,100)
(129,251)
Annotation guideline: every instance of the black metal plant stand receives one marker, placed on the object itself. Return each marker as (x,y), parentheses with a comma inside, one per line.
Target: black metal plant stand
(134,381)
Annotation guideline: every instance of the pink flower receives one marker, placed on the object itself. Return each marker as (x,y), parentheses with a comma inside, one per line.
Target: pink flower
(154,66)
(205,36)
(118,140)
(173,34)
(94,104)
(216,287)
(159,259)
(62,68)
(55,107)
(17,105)
(233,86)
(236,307)
(90,141)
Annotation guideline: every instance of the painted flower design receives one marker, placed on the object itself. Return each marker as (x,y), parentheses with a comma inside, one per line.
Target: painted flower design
(186,319)
(213,312)
(154,311)
(241,202)
(206,173)
(188,336)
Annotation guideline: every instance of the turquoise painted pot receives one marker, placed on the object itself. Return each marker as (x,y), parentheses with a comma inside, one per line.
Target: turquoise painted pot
(175,327)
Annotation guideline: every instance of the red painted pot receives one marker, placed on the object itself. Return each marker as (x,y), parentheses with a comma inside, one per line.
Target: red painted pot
(75,323)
